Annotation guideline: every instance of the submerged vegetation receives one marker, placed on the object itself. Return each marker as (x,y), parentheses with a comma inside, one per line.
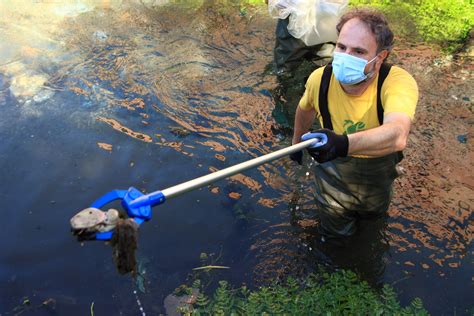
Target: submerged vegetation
(338,293)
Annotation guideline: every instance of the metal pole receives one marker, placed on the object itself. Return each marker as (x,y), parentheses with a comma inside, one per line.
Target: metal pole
(224,173)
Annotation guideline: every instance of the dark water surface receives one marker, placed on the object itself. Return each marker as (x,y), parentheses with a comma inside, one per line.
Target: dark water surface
(103,95)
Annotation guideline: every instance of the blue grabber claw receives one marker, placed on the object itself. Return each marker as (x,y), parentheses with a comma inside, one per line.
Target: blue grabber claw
(137,205)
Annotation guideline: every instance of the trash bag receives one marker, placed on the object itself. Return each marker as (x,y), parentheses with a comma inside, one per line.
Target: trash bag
(312,21)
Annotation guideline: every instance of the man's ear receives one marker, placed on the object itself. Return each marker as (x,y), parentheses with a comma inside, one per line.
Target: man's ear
(383,55)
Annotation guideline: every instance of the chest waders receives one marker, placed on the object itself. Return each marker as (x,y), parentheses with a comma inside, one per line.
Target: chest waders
(349,189)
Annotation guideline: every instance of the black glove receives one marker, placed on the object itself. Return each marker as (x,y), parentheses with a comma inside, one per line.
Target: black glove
(297,156)
(336,146)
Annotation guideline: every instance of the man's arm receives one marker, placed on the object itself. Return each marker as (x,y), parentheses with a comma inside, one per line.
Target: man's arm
(390,137)
(303,122)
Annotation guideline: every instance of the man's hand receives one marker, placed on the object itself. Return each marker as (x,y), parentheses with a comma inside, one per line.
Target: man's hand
(336,146)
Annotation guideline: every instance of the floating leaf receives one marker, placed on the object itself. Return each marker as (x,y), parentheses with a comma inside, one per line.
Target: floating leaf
(105,146)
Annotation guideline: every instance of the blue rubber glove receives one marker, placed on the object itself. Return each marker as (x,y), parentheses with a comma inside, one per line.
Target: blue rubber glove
(321,140)
(334,146)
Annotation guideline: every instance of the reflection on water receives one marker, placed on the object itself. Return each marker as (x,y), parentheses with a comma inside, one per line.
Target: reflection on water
(106,94)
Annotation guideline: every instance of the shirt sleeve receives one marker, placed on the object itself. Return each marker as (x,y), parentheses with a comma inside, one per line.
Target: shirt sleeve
(400,93)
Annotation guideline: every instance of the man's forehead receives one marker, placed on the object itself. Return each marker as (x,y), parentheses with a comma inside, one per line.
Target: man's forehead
(356,34)
(349,44)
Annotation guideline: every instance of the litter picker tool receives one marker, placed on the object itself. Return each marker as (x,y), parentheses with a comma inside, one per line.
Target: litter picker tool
(95,224)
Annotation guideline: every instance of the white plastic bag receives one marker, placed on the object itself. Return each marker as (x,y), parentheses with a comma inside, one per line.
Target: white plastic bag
(312,21)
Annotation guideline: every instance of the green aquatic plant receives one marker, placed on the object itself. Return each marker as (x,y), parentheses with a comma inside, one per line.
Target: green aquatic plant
(338,293)
(183,289)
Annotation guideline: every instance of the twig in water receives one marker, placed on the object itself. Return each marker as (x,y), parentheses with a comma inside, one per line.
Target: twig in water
(211,267)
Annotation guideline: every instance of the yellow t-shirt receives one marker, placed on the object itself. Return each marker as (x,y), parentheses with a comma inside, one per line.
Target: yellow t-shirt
(350,114)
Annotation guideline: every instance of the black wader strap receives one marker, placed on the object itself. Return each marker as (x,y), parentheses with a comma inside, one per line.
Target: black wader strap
(383,73)
(323,97)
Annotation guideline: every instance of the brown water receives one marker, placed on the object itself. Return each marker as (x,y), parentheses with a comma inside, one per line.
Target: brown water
(102,95)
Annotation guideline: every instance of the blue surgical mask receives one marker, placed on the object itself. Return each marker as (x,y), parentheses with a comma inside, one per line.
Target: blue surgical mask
(349,69)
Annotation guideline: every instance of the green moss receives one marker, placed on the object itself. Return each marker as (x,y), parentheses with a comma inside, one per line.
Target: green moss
(338,293)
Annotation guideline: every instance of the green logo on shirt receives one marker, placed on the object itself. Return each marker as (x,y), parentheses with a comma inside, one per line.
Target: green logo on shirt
(351,127)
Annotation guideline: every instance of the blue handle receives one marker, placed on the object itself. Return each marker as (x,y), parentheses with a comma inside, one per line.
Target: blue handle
(322,139)
(151,199)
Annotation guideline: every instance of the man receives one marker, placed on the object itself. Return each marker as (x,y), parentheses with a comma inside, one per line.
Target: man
(364,140)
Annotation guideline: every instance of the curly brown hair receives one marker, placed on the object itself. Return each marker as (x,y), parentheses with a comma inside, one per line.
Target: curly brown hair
(375,21)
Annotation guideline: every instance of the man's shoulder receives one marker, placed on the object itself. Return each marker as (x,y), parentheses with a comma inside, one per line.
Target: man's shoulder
(315,78)
(398,78)
(398,73)
(399,92)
